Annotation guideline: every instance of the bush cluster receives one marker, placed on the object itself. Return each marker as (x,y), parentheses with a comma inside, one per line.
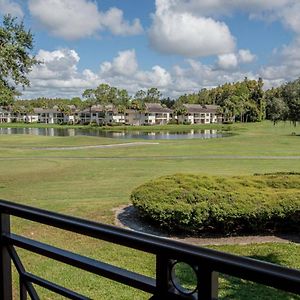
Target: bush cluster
(222,205)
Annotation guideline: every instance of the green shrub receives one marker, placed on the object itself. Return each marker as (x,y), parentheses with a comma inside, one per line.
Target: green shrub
(225,205)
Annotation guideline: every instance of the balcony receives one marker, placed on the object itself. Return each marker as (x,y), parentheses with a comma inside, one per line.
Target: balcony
(205,263)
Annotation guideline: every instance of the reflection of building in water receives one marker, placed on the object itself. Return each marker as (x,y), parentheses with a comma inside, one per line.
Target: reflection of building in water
(118,134)
(33,131)
(71,132)
(49,131)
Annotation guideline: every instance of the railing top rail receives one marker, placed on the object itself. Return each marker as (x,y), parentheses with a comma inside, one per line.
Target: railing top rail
(218,261)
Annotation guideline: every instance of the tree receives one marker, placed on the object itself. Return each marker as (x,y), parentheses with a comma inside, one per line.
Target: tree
(168,102)
(153,95)
(16,60)
(277,109)
(291,96)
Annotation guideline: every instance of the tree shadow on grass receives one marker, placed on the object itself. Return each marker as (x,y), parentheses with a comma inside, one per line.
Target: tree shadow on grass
(239,289)
(295,238)
(236,288)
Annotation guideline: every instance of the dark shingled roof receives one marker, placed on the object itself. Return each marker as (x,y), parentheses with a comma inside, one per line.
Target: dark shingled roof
(195,108)
(46,111)
(156,108)
(198,108)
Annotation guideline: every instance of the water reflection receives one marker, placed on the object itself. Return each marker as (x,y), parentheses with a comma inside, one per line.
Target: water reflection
(147,135)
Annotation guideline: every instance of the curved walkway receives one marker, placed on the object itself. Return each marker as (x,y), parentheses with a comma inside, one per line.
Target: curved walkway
(127,217)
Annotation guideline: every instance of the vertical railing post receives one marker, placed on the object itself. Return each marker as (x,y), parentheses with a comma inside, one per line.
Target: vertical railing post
(23,290)
(5,262)
(208,284)
(162,277)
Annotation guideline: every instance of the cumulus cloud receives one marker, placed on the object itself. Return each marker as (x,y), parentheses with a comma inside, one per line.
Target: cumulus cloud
(67,19)
(285,67)
(124,71)
(233,60)
(245,56)
(10,7)
(196,75)
(59,76)
(221,7)
(113,19)
(183,33)
(75,19)
(124,63)
(227,61)
(59,64)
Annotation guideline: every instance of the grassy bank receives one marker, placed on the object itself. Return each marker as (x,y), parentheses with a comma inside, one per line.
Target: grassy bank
(90,183)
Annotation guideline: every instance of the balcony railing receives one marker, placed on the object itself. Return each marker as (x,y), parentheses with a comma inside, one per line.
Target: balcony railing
(206,263)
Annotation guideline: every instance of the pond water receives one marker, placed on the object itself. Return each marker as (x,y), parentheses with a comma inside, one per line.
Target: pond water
(146,135)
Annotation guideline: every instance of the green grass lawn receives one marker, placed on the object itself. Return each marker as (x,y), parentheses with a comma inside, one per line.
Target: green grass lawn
(90,183)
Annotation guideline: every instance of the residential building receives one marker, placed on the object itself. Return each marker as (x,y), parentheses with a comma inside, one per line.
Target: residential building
(49,115)
(156,114)
(4,116)
(133,117)
(198,114)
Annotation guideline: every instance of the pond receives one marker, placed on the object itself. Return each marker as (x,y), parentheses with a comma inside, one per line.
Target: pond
(134,134)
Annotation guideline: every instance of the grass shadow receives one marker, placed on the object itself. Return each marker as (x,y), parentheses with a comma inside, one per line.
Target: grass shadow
(239,289)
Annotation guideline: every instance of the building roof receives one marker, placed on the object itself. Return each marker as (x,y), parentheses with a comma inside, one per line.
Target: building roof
(198,108)
(195,108)
(156,108)
(46,111)
(100,108)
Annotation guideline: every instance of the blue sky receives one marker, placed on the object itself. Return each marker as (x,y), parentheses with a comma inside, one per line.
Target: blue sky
(179,46)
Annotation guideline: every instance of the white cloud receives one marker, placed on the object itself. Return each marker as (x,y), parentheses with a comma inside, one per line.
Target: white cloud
(65,18)
(125,63)
(227,61)
(114,21)
(10,7)
(185,34)
(245,56)
(233,60)
(290,16)
(286,64)
(75,19)
(60,77)
(124,71)
(221,7)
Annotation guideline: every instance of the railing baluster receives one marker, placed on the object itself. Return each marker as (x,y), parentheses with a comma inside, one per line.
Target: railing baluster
(5,262)
(23,290)
(162,277)
(207,284)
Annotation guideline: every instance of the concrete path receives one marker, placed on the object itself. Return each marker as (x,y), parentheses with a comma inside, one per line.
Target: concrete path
(151,157)
(95,146)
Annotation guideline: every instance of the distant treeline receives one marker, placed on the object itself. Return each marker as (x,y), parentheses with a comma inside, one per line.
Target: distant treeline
(243,101)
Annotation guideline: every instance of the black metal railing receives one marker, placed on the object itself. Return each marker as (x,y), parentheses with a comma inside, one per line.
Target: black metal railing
(206,263)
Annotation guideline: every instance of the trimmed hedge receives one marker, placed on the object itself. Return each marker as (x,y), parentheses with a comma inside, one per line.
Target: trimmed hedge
(223,205)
